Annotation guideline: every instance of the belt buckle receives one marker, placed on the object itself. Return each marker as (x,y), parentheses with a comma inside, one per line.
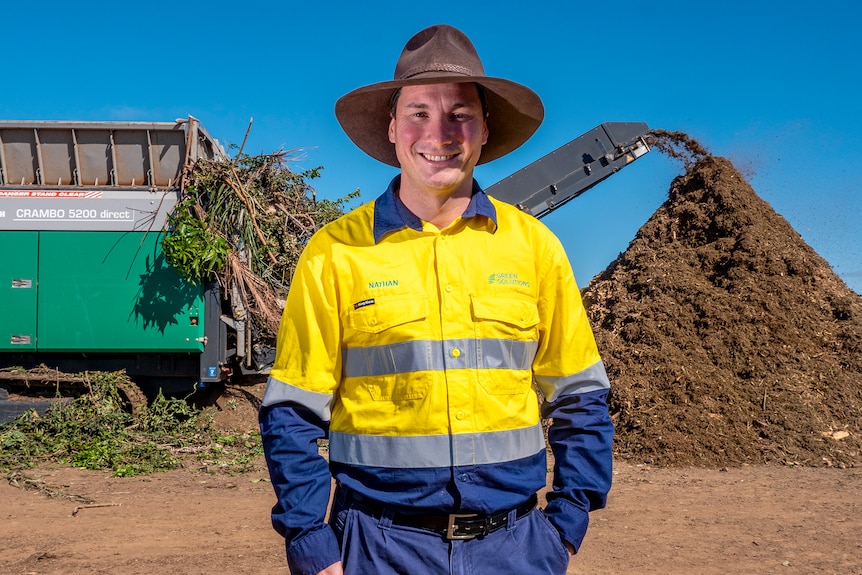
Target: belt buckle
(451,526)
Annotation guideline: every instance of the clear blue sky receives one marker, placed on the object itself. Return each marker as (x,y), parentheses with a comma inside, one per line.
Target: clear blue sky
(774,87)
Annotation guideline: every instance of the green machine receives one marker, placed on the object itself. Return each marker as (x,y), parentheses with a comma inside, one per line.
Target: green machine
(83,281)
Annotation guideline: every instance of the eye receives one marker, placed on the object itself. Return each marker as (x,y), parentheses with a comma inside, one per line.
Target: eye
(461,116)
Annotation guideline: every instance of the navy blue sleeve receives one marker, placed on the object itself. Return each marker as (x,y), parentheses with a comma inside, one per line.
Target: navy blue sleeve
(581,439)
(302,480)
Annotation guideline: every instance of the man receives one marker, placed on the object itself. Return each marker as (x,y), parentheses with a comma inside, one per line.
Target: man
(414,331)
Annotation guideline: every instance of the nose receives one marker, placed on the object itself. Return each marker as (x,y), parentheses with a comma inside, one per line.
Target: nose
(439,130)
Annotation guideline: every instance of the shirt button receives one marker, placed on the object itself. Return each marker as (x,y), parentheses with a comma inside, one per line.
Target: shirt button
(449,288)
(456,352)
(459,415)
(463,477)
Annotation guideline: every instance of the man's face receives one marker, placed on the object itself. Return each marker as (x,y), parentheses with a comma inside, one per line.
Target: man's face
(438,131)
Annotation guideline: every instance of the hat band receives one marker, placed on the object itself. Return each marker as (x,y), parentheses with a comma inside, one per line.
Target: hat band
(451,68)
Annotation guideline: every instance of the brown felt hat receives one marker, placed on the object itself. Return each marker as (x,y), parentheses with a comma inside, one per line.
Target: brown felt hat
(440,55)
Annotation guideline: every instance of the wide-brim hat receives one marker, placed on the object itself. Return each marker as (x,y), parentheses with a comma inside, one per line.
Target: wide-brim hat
(440,55)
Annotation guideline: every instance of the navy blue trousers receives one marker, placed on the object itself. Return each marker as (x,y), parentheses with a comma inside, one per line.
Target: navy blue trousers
(528,546)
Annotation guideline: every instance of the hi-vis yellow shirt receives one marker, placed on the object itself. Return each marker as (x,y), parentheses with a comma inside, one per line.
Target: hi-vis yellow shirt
(420,346)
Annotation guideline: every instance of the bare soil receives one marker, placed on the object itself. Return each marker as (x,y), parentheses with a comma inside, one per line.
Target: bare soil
(736,360)
(670,521)
(764,519)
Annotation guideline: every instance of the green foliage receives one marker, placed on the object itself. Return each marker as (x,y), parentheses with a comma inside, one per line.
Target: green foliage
(96,431)
(192,246)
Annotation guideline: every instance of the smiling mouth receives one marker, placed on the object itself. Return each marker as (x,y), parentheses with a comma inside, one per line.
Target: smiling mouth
(438,158)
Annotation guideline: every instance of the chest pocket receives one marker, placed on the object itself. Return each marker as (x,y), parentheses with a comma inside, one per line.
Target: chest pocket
(386,355)
(376,315)
(505,316)
(507,333)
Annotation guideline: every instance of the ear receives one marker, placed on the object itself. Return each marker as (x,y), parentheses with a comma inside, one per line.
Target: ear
(485,133)
(392,130)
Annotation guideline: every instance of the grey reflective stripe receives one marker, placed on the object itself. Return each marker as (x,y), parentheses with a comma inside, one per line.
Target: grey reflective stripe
(592,378)
(435,450)
(426,355)
(403,357)
(278,391)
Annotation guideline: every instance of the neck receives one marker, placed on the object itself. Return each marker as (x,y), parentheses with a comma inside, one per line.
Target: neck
(440,208)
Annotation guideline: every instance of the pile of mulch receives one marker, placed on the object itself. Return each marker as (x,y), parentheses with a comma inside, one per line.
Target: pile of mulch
(727,338)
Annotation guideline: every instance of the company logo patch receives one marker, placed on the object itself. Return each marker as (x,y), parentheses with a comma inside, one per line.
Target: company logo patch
(507,279)
(363,303)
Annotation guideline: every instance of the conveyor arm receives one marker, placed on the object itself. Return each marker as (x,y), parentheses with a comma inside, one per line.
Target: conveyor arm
(572,169)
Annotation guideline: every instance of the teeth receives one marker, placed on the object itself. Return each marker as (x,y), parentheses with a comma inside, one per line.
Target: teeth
(438,158)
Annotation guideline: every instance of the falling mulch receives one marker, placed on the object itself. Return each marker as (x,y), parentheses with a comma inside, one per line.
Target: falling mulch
(728,339)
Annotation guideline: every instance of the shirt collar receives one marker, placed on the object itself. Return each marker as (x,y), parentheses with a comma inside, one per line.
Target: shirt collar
(390,214)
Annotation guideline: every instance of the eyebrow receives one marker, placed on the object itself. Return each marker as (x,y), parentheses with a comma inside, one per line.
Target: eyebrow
(393,100)
(423,105)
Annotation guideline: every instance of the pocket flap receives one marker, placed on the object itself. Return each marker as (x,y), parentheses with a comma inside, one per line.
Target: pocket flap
(387,312)
(518,312)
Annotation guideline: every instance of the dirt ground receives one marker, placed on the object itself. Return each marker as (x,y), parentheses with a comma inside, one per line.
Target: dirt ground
(746,519)
(756,519)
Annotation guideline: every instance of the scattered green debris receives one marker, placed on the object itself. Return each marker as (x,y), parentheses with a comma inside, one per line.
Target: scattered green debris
(97,430)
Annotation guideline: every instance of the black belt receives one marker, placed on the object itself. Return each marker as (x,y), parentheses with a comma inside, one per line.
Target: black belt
(453,525)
